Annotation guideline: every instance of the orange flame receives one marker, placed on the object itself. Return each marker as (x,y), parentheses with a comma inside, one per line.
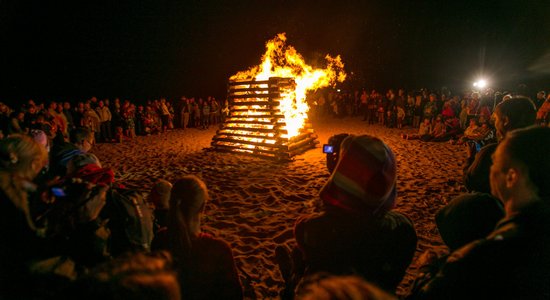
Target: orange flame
(281,60)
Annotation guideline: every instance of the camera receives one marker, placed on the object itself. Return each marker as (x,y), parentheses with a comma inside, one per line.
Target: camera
(327,148)
(332,149)
(74,190)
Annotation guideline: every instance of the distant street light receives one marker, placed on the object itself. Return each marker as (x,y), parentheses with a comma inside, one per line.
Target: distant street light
(480,84)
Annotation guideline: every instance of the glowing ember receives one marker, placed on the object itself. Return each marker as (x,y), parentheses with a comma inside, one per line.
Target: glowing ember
(281,60)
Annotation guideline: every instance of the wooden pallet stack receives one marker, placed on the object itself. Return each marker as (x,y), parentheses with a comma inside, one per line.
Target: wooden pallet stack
(256,125)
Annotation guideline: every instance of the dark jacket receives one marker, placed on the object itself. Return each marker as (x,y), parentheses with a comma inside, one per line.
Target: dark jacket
(477,169)
(513,262)
(377,248)
(211,272)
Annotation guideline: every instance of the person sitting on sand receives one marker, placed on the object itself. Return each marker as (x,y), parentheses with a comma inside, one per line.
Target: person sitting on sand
(81,141)
(464,219)
(29,247)
(438,130)
(514,113)
(357,232)
(470,133)
(452,129)
(205,263)
(131,276)
(327,287)
(513,261)
(424,130)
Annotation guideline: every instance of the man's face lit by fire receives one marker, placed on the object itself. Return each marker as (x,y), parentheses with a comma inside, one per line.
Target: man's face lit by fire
(499,125)
(498,173)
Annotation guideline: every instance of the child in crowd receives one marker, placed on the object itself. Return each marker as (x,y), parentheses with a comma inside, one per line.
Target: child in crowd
(470,132)
(205,264)
(400,116)
(424,130)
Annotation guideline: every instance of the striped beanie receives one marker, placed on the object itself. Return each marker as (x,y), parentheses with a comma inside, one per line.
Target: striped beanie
(364,180)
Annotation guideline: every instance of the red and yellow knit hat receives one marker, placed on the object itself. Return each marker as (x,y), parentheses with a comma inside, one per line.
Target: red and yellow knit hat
(364,180)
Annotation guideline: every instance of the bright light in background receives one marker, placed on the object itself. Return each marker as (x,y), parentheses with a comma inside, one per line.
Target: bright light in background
(480,84)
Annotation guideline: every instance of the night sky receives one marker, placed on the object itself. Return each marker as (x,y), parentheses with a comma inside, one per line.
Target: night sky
(146,49)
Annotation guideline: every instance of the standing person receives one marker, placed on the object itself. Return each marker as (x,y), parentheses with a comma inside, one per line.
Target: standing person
(539,100)
(430,108)
(91,120)
(197,111)
(140,120)
(78,114)
(215,112)
(164,114)
(512,262)
(543,114)
(205,264)
(514,113)
(69,116)
(185,110)
(225,110)
(129,117)
(105,122)
(364,105)
(206,114)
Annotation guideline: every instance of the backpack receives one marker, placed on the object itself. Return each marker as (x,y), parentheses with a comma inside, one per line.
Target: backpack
(130,221)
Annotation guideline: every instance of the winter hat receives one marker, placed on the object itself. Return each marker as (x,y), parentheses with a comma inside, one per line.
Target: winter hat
(95,174)
(467,218)
(364,179)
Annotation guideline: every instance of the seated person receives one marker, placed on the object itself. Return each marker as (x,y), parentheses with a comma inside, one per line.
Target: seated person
(326,287)
(438,130)
(470,133)
(452,129)
(130,219)
(81,141)
(423,131)
(26,244)
(513,261)
(131,276)
(159,198)
(464,219)
(357,231)
(205,264)
(510,114)
(87,167)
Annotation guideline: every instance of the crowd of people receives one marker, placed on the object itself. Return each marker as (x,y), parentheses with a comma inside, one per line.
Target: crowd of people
(72,231)
(112,121)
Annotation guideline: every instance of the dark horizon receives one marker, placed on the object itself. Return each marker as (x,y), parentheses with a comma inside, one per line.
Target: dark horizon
(148,49)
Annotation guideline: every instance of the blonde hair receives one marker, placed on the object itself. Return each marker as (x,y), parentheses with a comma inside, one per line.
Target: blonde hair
(18,153)
(187,201)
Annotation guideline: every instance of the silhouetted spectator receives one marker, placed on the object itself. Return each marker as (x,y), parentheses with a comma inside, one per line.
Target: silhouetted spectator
(510,114)
(205,264)
(512,262)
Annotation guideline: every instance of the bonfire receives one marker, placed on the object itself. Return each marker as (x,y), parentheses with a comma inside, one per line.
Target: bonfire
(267,103)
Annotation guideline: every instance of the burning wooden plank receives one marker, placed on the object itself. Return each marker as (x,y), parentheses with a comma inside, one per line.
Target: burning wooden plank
(257,126)
(268,111)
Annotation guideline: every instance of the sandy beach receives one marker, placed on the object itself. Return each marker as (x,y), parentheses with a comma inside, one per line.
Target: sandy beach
(255,202)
